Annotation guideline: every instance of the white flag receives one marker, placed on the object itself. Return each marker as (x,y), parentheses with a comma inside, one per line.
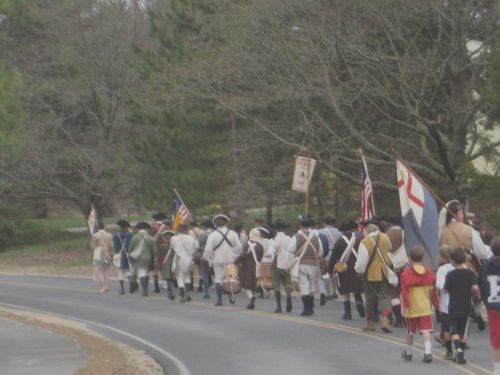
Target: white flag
(302,174)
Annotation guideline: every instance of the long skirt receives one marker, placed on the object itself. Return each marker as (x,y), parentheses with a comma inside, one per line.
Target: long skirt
(101,270)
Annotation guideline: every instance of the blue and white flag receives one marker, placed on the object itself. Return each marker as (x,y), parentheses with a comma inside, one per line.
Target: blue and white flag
(419,213)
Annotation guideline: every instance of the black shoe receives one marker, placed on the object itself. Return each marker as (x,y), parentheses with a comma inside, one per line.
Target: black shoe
(288,304)
(361,309)
(460,358)
(407,357)
(206,296)
(322,299)
(448,356)
(278,310)
(171,297)
(480,323)
(427,358)
(218,303)
(251,304)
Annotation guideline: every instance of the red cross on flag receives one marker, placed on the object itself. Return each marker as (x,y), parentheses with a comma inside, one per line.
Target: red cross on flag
(419,214)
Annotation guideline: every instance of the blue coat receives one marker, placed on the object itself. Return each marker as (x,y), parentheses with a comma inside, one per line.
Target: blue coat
(490,276)
(121,243)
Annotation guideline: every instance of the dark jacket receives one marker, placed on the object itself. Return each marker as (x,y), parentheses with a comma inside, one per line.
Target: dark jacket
(490,276)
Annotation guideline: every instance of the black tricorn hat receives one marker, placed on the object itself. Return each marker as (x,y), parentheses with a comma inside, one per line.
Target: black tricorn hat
(329,220)
(280,224)
(142,225)
(123,223)
(265,231)
(373,220)
(348,226)
(159,216)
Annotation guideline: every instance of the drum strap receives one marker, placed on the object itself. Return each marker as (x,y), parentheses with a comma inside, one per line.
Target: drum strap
(224,238)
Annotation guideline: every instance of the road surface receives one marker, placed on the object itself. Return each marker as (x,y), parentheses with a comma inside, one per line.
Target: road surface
(199,338)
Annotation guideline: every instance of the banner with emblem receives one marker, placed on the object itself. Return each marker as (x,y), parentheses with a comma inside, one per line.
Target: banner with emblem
(419,214)
(302,174)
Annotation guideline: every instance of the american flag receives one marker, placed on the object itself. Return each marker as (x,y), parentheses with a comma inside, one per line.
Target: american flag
(180,213)
(366,195)
(92,220)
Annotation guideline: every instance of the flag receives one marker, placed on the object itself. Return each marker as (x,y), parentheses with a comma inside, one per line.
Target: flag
(92,220)
(302,173)
(366,195)
(419,213)
(180,213)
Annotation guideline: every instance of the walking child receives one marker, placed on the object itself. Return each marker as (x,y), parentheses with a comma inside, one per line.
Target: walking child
(461,284)
(418,294)
(490,290)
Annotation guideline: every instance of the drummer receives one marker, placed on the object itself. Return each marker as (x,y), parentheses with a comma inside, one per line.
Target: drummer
(221,248)
(280,257)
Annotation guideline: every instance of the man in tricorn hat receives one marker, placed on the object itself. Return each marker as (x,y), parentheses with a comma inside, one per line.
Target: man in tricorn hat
(121,242)
(343,260)
(222,247)
(278,252)
(144,260)
(307,249)
(159,224)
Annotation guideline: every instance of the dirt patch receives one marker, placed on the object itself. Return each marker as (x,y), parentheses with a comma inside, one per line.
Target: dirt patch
(104,357)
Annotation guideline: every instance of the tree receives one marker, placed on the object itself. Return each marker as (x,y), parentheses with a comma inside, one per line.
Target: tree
(82,79)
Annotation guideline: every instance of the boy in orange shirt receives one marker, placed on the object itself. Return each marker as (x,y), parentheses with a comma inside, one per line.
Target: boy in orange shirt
(418,294)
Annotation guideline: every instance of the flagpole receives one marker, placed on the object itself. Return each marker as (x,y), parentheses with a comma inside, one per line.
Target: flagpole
(306,210)
(178,195)
(366,171)
(423,182)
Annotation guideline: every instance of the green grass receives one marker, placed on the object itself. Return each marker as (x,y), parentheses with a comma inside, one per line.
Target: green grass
(70,242)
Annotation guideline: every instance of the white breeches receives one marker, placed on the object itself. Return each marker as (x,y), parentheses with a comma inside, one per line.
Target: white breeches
(308,279)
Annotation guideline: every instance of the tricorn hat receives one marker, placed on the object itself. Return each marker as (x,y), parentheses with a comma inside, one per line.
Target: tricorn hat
(123,223)
(306,221)
(220,216)
(142,225)
(159,216)
(280,224)
(348,226)
(265,232)
(329,220)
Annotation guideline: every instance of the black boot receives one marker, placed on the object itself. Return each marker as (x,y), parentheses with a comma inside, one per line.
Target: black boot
(277,295)
(156,284)
(122,287)
(218,292)
(200,285)
(288,300)
(133,286)
(322,299)
(347,310)
(144,284)
(251,304)
(307,301)
(182,294)
(398,322)
(361,308)
(170,288)
(205,289)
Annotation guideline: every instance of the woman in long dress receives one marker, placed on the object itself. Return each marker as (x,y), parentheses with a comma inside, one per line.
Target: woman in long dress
(101,245)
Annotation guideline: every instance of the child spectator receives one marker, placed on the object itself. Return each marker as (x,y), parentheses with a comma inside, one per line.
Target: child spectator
(418,294)
(460,284)
(490,290)
(444,268)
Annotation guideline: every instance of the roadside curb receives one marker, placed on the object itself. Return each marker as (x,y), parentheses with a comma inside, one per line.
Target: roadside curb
(132,361)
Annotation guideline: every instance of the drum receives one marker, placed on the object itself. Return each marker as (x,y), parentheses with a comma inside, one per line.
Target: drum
(266,272)
(231,281)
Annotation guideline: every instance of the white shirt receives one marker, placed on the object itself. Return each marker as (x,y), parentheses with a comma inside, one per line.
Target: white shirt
(184,246)
(444,298)
(479,249)
(278,247)
(225,253)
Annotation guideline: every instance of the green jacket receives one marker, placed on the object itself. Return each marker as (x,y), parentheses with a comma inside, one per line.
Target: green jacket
(148,252)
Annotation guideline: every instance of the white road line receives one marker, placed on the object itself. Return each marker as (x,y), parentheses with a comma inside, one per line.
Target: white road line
(181,367)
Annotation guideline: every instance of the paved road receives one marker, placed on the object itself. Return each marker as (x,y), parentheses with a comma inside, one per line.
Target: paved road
(198,338)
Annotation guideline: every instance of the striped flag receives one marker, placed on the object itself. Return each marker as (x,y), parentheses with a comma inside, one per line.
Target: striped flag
(366,195)
(92,220)
(180,213)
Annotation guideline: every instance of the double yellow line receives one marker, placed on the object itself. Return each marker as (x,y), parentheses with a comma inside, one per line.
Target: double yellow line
(305,321)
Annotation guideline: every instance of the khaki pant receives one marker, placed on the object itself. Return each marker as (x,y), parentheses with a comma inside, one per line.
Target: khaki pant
(308,279)
(377,294)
